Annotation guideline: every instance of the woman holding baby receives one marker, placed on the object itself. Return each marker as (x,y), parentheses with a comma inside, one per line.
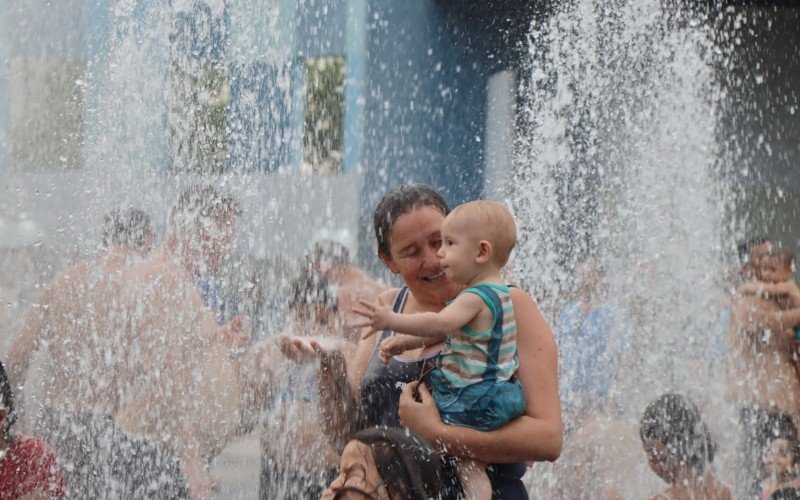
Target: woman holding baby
(359,391)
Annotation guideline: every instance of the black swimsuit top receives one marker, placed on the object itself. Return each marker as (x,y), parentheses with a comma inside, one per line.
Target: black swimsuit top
(381,387)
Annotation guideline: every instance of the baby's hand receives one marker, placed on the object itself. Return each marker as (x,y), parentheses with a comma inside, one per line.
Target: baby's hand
(390,347)
(377,317)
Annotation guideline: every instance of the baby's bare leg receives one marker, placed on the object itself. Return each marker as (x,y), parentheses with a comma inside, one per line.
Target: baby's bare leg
(474,479)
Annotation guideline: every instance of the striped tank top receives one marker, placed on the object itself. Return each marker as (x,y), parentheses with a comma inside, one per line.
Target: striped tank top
(470,357)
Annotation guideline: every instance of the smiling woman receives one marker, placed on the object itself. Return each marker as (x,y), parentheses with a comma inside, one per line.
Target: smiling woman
(361,391)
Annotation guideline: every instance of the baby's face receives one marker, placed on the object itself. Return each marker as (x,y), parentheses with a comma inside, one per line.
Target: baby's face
(778,457)
(773,269)
(459,249)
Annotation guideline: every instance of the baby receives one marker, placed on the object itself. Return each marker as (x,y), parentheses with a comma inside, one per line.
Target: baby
(775,273)
(473,384)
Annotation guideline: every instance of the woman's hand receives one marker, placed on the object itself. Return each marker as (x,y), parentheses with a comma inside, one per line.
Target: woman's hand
(420,416)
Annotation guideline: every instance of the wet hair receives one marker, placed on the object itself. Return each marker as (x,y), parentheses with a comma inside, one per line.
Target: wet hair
(402,200)
(7,401)
(495,222)
(312,288)
(407,464)
(329,253)
(129,227)
(202,202)
(744,248)
(780,426)
(786,493)
(676,422)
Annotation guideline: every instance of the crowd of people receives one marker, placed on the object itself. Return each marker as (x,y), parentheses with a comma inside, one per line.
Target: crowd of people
(443,388)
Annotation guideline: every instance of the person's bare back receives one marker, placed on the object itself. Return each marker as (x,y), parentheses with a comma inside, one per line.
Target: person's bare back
(78,319)
(763,373)
(177,369)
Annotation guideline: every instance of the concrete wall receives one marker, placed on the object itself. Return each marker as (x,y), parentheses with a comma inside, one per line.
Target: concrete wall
(763,117)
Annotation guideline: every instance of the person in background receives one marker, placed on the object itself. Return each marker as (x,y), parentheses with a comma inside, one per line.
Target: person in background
(28,467)
(763,380)
(680,449)
(182,393)
(592,337)
(297,462)
(332,259)
(78,320)
(750,253)
(779,464)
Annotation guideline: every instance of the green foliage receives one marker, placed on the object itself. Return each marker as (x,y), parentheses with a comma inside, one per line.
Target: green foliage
(324,118)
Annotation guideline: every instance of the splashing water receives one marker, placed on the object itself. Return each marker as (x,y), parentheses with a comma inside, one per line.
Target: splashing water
(620,174)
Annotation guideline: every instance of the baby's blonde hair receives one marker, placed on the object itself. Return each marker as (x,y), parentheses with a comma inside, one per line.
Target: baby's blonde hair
(494,223)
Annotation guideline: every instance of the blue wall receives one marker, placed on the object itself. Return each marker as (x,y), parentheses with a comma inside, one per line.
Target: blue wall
(428,65)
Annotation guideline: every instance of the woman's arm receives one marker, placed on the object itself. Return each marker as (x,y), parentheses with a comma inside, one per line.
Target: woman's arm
(535,436)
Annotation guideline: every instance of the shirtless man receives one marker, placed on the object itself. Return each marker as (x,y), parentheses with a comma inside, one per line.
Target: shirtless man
(182,389)
(763,379)
(79,322)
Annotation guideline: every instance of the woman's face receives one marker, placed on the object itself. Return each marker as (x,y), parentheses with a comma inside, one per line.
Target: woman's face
(414,243)
(358,476)
(778,457)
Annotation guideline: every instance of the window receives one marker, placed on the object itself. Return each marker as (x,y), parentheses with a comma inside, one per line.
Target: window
(198,117)
(323,130)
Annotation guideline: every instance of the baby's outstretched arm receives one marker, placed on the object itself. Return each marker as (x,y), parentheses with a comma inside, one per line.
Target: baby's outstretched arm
(429,325)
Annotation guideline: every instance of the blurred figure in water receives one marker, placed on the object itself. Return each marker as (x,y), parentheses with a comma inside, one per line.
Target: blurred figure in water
(28,467)
(779,464)
(592,336)
(297,461)
(331,258)
(78,320)
(761,337)
(680,449)
(183,393)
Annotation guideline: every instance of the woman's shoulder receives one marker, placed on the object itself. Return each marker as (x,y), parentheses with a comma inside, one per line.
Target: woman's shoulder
(388,296)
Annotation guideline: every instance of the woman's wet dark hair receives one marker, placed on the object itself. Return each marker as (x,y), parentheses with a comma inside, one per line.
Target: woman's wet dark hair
(676,422)
(401,201)
(7,401)
(408,465)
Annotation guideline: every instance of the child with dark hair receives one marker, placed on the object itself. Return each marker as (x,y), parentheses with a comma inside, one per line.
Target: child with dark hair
(297,461)
(28,466)
(780,459)
(680,449)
